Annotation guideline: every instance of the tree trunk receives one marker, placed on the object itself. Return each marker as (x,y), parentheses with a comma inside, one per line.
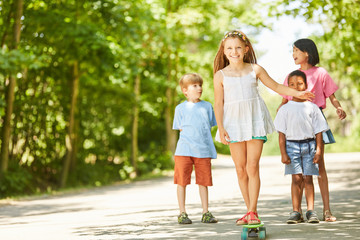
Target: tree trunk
(7,24)
(135,126)
(169,111)
(170,96)
(10,93)
(71,136)
(75,146)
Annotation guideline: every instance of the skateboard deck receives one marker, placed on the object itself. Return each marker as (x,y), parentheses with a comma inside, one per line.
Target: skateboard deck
(253,231)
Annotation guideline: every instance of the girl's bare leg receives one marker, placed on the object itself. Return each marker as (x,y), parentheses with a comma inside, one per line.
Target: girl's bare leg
(238,154)
(324,189)
(254,149)
(324,185)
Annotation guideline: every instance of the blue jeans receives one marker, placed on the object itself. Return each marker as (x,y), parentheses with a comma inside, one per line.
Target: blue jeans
(302,156)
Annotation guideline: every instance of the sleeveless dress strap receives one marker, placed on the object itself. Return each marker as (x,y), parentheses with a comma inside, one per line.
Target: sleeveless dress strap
(256,82)
(252,66)
(222,73)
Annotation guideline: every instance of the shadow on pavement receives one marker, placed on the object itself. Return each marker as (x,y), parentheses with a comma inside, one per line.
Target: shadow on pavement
(274,214)
(161,223)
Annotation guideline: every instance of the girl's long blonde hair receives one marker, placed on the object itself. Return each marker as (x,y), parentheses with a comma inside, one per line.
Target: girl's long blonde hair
(221,61)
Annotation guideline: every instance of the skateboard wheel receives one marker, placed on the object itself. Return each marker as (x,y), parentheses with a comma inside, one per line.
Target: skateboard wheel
(244,234)
(245,229)
(262,232)
(262,235)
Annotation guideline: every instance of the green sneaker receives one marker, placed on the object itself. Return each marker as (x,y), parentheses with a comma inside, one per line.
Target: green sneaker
(184,219)
(312,217)
(208,218)
(295,217)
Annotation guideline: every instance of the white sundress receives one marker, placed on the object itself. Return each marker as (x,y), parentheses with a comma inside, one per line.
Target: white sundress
(245,112)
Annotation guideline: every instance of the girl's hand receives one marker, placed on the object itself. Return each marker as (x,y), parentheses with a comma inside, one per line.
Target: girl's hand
(341,113)
(306,95)
(224,137)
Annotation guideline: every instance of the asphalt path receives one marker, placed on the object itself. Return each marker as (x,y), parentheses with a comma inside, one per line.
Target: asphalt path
(148,209)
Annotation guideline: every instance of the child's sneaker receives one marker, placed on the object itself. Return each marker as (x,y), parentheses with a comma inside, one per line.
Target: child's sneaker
(208,218)
(184,219)
(295,217)
(312,217)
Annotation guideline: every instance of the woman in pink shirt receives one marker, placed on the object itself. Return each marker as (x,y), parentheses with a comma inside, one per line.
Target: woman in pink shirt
(320,83)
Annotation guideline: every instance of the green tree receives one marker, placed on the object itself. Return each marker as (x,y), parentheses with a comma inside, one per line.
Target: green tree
(99,84)
(340,21)
(15,13)
(338,46)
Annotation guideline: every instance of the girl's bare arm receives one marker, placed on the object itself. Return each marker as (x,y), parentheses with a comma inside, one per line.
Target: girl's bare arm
(280,88)
(219,106)
(339,110)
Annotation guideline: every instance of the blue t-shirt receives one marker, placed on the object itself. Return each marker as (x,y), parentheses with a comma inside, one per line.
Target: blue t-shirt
(195,120)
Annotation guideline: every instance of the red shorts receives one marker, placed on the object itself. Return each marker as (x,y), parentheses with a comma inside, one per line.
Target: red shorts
(184,166)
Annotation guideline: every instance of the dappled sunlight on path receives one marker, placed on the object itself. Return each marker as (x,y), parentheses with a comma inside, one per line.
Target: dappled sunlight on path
(148,209)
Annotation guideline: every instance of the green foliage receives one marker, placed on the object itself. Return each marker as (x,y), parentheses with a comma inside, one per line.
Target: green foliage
(17,181)
(337,49)
(14,61)
(114,42)
(154,160)
(99,174)
(344,144)
(341,30)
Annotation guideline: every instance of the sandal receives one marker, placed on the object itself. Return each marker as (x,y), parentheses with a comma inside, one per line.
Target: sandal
(328,217)
(242,220)
(254,219)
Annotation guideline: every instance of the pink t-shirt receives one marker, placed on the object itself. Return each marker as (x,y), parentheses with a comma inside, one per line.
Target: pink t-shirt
(320,83)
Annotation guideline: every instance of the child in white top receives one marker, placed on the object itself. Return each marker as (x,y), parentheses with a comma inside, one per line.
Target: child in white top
(299,123)
(242,117)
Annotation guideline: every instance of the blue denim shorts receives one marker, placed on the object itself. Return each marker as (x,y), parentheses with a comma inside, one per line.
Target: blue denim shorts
(328,137)
(301,155)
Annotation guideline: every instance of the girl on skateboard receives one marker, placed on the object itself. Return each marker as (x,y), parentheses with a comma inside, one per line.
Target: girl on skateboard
(241,114)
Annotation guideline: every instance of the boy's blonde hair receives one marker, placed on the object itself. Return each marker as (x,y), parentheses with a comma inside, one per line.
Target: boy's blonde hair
(190,78)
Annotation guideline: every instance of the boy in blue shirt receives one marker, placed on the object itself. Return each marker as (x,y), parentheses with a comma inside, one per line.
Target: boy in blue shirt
(195,147)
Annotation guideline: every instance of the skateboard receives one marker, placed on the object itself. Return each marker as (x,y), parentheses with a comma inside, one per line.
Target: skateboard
(253,231)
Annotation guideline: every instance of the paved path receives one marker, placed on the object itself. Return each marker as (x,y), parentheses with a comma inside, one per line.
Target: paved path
(148,209)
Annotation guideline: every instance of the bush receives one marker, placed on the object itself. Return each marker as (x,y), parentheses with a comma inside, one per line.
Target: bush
(16,182)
